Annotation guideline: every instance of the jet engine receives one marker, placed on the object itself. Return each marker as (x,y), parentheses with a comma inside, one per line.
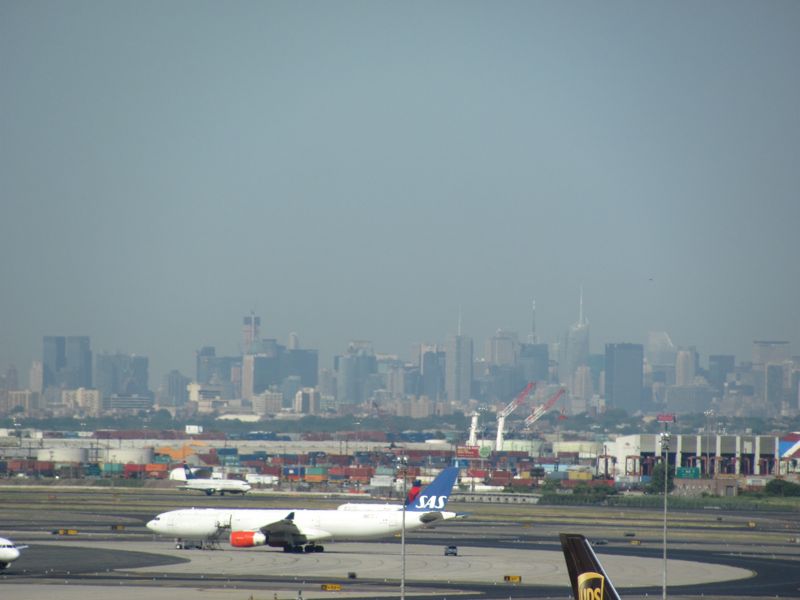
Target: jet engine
(247,539)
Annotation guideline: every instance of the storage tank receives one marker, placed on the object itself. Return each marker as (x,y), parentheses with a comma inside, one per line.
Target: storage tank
(139,456)
(63,455)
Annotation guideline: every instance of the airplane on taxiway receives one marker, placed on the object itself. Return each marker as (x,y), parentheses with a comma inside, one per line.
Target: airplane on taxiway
(586,574)
(211,486)
(9,552)
(299,530)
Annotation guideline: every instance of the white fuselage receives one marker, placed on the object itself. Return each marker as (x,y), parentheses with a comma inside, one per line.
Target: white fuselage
(315,525)
(8,552)
(210,486)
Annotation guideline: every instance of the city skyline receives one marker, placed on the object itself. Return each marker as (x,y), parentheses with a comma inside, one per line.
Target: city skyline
(366,171)
(254,347)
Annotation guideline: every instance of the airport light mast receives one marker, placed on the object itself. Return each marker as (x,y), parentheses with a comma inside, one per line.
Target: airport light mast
(404,472)
(665,437)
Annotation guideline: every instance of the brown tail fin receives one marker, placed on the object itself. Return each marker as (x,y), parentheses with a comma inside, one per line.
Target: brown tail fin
(586,574)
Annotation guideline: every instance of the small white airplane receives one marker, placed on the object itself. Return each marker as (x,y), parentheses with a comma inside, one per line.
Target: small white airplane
(210,486)
(297,530)
(9,552)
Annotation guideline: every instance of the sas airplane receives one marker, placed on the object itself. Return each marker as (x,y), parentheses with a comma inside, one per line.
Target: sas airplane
(209,486)
(586,574)
(298,530)
(9,552)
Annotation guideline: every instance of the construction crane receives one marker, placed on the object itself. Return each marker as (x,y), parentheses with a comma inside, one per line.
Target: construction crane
(540,410)
(512,406)
(473,430)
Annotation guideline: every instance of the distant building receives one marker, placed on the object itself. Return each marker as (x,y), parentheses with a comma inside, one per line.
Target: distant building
(502,349)
(36,377)
(534,362)
(122,374)
(624,376)
(213,368)
(174,389)
(576,350)
(25,401)
(251,326)
(289,388)
(353,370)
(719,366)
(773,385)
(66,362)
(267,403)
(83,401)
(432,366)
(307,401)
(302,363)
(684,368)
(259,372)
(766,352)
(458,369)
(660,349)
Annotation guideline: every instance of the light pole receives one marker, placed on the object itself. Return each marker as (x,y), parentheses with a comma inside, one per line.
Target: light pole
(709,414)
(665,449)
(403,471)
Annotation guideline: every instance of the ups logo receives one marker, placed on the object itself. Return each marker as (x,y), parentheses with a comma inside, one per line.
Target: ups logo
(590,586)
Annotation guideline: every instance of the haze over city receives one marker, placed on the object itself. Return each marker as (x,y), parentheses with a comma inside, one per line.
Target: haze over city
(366,170)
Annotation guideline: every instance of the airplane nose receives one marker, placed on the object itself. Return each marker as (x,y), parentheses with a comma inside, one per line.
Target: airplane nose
(152,525)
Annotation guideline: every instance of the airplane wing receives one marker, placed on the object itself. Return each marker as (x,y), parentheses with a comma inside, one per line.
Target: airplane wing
(286,529)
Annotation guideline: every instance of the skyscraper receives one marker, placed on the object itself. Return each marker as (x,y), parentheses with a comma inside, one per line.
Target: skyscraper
(534,360)
(684,367)
(353,371)
(502,348)
(53,359)
(624,380)
(66,362)
(79,362)
(458,368)
(432,366)
(576,352)
(250,331)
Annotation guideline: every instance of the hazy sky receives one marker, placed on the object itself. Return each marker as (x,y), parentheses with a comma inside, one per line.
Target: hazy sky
(358,170)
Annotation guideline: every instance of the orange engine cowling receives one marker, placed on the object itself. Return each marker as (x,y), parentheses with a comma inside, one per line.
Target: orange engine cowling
(247,539)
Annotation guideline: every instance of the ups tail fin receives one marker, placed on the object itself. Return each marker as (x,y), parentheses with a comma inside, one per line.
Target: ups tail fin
(586,574)
(434,496)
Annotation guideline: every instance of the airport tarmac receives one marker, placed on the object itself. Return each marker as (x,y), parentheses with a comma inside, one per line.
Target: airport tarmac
(711,555)
(239,573)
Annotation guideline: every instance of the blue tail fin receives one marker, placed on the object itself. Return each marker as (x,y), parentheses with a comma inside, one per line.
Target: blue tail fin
(188,472)
(434,496)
